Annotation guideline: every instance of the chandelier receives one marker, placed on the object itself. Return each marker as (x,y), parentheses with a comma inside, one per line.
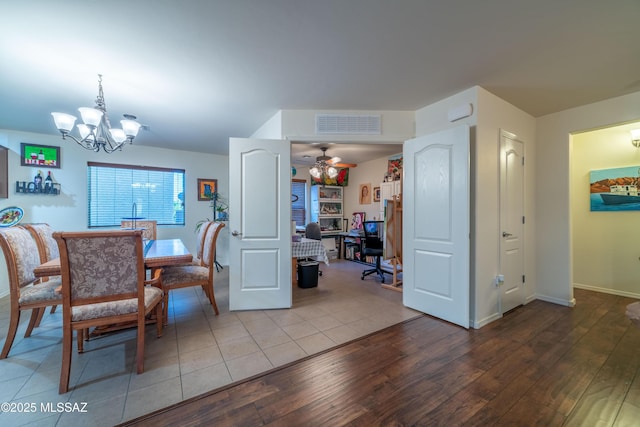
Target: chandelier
(323,167)
(96,131)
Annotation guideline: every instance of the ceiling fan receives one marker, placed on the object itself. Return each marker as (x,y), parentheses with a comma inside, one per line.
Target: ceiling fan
(334,161)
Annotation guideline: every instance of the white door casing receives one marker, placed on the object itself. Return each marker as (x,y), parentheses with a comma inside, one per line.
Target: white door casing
(511,221)
(259,224)
(436,225)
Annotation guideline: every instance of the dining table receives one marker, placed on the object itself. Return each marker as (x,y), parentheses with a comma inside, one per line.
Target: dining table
(157,254)
(306,248)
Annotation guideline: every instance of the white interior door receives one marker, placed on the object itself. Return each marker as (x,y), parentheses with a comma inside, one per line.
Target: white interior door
(436,225)
(511,221)
(259,224)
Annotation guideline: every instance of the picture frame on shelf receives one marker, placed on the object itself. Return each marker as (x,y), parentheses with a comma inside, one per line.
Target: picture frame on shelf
(41,156)
(206,188)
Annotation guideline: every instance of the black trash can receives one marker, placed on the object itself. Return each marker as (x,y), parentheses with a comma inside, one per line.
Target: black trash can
(308,274)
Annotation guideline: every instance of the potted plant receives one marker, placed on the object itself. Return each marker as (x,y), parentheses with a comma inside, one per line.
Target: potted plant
(219,209)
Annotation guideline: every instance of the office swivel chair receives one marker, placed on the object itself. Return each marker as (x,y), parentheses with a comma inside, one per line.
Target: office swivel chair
(312,231)
(373,247)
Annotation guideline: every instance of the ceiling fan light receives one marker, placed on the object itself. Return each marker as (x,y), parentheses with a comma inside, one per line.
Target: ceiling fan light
(315,172)
(332,172)
(90,116)
(64,122)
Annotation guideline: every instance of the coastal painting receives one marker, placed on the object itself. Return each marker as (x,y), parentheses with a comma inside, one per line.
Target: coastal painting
(615,189)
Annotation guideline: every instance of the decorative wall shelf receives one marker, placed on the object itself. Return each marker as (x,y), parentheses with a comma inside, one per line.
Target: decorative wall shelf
(30,187)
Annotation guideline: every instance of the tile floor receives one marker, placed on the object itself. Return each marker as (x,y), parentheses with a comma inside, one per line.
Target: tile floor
(197,353)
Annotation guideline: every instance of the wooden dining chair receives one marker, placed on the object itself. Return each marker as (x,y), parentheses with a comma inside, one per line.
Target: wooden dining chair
(26,292)
(149,227)
(195,275)
(47,248)
(103,283)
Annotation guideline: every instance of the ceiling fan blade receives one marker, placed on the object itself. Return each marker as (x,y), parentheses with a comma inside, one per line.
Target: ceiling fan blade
(334,160)
(345,165)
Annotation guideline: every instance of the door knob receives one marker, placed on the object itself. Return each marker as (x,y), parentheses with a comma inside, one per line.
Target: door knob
(505,234)
(236,233)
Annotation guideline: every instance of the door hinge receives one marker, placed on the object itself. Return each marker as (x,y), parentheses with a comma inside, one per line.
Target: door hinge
(523,278)
(523,219)
(522,160)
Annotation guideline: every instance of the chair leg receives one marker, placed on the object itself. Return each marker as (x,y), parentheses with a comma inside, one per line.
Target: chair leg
(67,338)
(53,309)
(81,335)
(33,321)
(140,344)
(40,316)
(165,308)
(212,298)
(159,318)
(11,333)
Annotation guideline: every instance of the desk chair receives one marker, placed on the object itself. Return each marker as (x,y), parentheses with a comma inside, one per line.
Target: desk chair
(373,232)
(312,231)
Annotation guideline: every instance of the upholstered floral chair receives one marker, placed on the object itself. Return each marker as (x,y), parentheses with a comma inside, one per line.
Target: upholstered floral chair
(47,248)
(103,283)
(195,275)
(26,293)
(149,227)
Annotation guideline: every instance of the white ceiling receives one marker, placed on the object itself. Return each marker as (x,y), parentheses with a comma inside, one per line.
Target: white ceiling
(200,71)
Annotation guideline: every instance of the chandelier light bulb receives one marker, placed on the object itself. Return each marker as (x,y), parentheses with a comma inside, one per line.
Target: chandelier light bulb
(64,121)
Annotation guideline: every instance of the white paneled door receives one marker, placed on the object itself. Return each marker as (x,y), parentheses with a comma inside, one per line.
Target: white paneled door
(511,221)
(259,224)
(436,225)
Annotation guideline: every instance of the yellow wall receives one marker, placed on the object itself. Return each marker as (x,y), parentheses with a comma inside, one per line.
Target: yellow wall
(605,244)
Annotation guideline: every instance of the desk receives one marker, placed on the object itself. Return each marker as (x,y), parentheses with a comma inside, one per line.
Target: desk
(342,252)
(303,249)
(157,254)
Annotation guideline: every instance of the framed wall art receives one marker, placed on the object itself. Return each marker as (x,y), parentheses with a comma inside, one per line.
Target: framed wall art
(376,194)
(615,189)
(206,188)
(42,156)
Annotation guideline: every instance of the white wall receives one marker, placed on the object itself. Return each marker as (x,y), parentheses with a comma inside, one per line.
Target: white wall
(553,191)
(68,211)
(605,244)
(371,172)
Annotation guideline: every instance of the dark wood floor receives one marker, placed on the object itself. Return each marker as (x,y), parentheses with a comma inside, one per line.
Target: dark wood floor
(542,364)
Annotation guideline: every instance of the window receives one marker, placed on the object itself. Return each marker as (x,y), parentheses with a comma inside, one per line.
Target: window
(122,191)
(299,206)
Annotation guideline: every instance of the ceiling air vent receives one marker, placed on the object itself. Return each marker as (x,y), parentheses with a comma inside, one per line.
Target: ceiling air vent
(348,124)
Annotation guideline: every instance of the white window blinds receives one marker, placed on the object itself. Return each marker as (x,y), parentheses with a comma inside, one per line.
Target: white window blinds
(116,192)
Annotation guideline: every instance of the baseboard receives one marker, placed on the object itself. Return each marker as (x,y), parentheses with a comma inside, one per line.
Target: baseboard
(483,322)
(554,300)
(607,290)
(4,294)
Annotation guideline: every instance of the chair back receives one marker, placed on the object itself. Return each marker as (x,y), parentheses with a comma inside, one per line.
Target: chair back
(312,231)
(100,266)
(373,234)
(22,256)
(202,233)
(209,249)
(47,245)
(149,227)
